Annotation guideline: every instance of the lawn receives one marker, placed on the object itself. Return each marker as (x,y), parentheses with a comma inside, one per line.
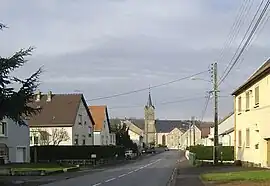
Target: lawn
(258,175)
(35,167)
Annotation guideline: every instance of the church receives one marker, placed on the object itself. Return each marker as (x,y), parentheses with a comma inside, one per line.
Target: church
(154,132)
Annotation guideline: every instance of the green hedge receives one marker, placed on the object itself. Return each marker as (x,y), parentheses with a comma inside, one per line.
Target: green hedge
(53,153)
(206,152)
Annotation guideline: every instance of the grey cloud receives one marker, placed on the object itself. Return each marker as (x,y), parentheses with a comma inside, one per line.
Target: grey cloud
(108,48)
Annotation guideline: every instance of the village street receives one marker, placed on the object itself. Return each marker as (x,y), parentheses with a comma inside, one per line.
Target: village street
(154,171)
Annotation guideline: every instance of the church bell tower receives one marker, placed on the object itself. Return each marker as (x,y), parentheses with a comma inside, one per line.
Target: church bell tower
(149,122)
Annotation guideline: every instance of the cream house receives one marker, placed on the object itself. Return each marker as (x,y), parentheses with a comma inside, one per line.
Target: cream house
(64,120)
(191,137)
(252,131)
(225,131)
(102,129)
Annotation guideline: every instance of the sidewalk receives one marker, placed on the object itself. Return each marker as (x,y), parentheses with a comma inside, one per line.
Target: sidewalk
(188,175)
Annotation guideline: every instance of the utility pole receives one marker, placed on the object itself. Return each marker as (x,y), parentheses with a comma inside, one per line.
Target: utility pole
(190,124)
(215,92)
(193,124)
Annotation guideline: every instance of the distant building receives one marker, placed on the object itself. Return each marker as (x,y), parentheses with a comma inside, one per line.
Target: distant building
(161,132)
(102,129)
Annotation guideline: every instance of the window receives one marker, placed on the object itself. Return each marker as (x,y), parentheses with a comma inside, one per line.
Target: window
(35,140)
(76,140)
(83,141)
(247,100)
(4,150)
(257,96)
(239,138)
(247,138)
(239,104)
(3,129)
(80,119)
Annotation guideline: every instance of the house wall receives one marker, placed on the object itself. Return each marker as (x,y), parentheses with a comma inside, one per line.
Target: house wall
(17,136)
(159,138)
(83,130)
(187,138)
(134,137)
(228,139)
(112,139)
(35,131)
(174,138)
(97,138)
(255,119)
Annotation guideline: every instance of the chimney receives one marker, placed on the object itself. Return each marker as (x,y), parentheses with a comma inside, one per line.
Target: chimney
(49,96)
(38,95)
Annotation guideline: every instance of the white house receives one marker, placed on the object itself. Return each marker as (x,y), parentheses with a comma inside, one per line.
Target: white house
(14,142)
(64,119)
(102,130)
(225,131)
(136,134)
(190,137)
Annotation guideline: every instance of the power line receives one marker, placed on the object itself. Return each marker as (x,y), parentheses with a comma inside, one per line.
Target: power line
(247,31)
(164,103)
(151,87)
(247,41)
(236,27)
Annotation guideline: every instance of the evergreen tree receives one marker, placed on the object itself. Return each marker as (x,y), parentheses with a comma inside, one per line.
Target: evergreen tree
(14,104)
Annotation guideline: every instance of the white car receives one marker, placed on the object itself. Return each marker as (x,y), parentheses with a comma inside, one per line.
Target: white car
(129,154)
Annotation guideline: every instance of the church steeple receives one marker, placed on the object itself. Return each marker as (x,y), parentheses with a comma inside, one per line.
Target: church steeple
(149,101)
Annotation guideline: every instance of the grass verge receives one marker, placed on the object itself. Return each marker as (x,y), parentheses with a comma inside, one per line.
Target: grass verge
(258,175)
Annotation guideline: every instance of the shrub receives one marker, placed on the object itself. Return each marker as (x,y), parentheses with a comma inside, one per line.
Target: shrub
(53,153)
(226,153)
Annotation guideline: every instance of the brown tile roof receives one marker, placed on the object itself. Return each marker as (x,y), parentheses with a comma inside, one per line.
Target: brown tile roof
(60,111)
(263,71)
(205,131)
(99,114)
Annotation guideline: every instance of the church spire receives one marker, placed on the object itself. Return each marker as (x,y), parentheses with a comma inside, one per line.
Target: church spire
(149,101)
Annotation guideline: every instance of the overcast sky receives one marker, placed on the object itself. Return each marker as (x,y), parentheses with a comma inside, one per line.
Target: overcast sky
(108,47)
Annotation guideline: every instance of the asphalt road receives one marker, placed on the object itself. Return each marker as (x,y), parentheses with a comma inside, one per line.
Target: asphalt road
(154,171)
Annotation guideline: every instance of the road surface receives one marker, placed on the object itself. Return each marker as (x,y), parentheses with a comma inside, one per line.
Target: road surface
(154,171)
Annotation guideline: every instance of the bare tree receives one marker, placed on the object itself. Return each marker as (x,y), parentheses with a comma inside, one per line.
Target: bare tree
(59,135)
(55,137)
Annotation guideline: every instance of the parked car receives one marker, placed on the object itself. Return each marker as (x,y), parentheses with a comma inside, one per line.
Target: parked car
(129,154)
(166,149)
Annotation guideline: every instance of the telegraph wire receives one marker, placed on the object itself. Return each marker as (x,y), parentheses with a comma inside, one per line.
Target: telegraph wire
(163,103)
(246,43)
(151,87)
(247,31)
(236,27)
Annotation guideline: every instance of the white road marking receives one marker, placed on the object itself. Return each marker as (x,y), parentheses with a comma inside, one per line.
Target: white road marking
(110,180)
(122,175)
(96,184)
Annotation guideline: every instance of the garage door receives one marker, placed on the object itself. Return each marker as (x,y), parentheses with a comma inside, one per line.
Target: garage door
(20,155)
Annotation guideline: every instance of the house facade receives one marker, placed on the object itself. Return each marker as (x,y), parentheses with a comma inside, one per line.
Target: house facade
(225,131)
(102,130)
(252,131)
(191,137)
(64,119)
(14,142)
(136,134)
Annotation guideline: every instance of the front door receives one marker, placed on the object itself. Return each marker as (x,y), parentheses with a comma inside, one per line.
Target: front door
(20,155)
